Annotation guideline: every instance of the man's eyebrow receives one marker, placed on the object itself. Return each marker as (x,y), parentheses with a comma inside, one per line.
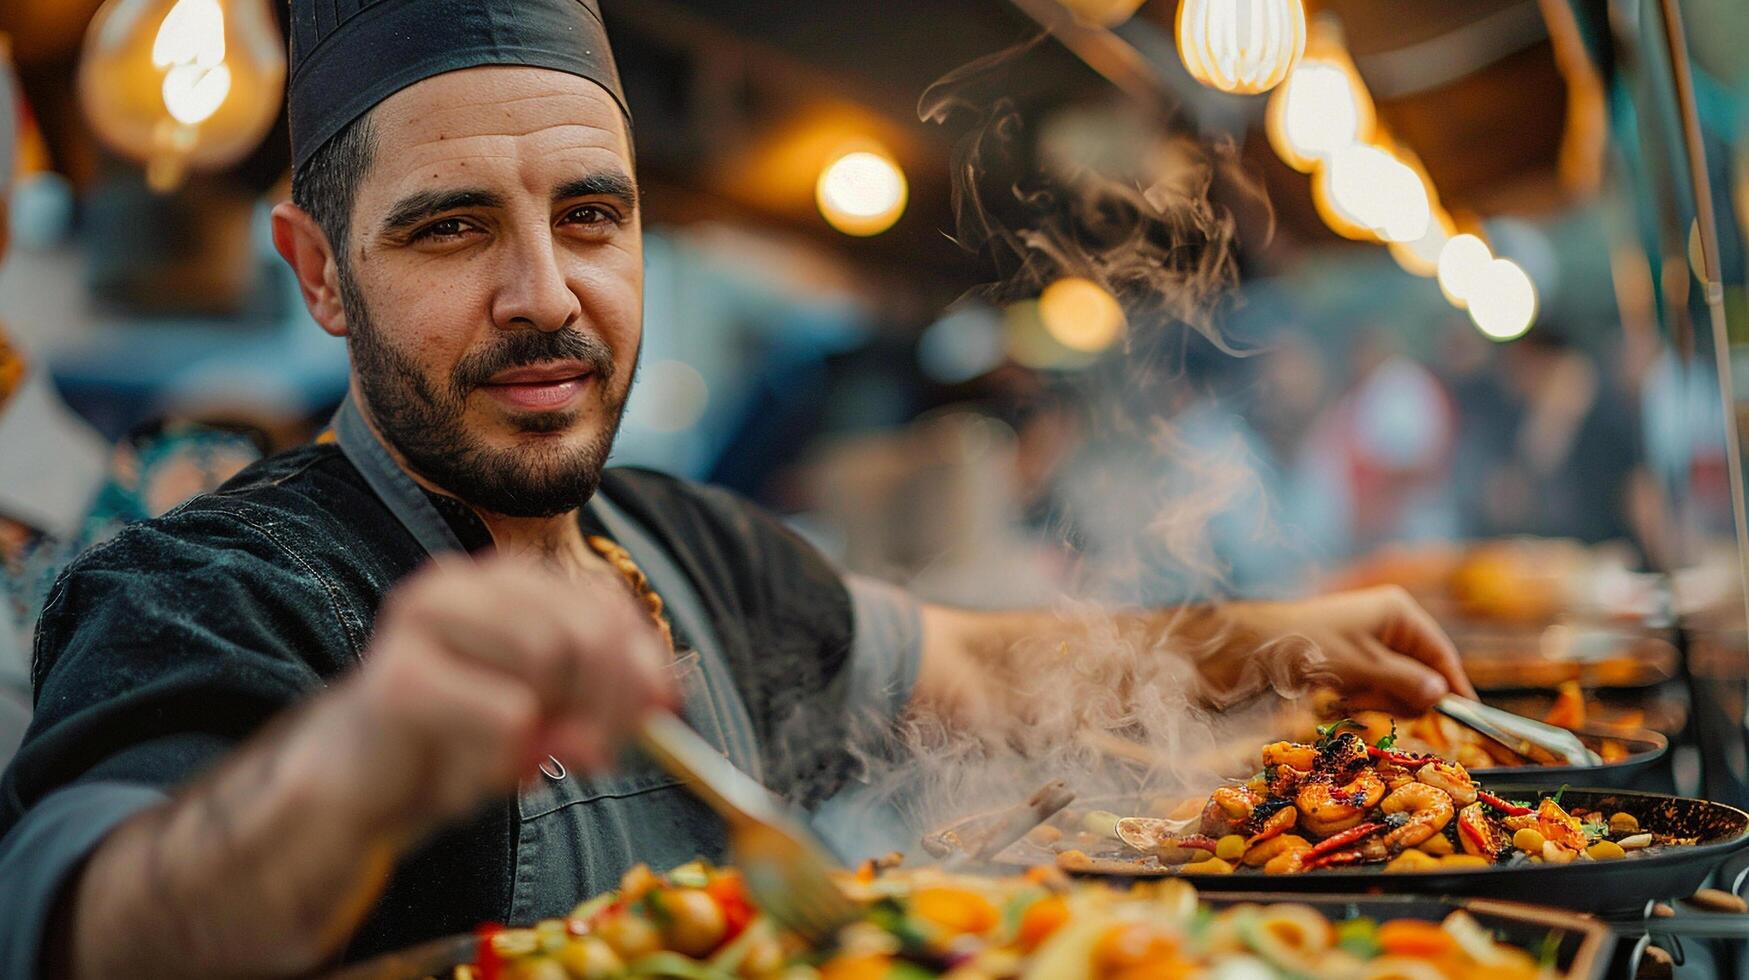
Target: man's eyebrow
(608,184)
(414,208)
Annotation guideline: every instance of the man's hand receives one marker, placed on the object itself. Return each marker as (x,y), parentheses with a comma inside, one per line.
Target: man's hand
(1376,645)
(477,672)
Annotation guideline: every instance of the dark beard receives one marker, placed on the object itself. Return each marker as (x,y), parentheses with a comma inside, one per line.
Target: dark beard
(425,424)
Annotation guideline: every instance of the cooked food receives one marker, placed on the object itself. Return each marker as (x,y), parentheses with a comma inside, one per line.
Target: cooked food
(1040,926)
(1340,802)
(1435,734)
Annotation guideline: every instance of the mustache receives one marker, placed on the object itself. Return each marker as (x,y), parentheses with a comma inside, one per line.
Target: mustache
(526,348)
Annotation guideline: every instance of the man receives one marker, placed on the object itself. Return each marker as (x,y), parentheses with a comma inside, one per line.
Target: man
(265,737)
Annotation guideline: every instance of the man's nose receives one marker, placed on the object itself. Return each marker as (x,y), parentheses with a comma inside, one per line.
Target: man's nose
(535,293)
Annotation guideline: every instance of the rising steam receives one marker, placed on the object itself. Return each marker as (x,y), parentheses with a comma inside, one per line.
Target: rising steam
(1118,712)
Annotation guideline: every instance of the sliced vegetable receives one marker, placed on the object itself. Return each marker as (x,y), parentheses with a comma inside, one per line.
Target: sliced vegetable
(1410,937)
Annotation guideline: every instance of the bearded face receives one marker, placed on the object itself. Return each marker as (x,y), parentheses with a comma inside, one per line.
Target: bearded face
(492,288)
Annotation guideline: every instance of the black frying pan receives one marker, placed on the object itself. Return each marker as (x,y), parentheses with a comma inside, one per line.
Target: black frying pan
(1623,886)
(1645,748)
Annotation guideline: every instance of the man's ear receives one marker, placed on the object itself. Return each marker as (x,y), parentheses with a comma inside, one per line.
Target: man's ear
(304,246)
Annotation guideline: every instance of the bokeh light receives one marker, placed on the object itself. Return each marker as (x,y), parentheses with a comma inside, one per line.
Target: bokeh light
(1364,191)
(1461,264)
(1080,314)
(862,193)
(1503,300)
(1321,108)
(674,395)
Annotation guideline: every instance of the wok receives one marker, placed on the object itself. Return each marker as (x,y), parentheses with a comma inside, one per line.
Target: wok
(1605,887)
(1645,748)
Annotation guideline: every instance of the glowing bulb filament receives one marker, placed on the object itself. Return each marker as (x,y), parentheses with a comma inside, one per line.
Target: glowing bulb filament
(190,45)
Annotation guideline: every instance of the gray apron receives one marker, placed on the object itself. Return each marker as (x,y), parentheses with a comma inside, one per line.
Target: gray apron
(579,834)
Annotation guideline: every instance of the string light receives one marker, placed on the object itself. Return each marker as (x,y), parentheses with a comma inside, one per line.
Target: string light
(1243,46)
(1421,256)
(1321,108)
(180,84)
(1461,264)
(1365,191)
(1503,300)
(862,193)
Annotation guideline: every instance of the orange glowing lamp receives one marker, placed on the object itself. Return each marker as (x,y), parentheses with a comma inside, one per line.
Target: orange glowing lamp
(182,84)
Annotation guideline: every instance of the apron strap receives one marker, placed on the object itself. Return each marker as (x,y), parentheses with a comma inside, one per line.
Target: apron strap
(392,485)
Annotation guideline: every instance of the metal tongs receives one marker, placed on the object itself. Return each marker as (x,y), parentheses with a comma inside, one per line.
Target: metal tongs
(787,872)
(1517,732)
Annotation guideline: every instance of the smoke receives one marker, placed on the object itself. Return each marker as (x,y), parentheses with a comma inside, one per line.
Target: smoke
(1161,495)
(1091,192)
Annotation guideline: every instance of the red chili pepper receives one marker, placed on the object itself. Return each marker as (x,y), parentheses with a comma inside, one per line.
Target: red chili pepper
(486,958)
(1350,836)
(1481,840)
(1510,809)
(731,897)
(1201,842)
(1334,857)
(1266,833)
(1400,758)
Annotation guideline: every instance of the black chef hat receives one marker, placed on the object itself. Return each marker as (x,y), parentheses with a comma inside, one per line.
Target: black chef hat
(349,55)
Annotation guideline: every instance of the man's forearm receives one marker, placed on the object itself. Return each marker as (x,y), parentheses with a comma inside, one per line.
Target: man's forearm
(970,656)
(255,869)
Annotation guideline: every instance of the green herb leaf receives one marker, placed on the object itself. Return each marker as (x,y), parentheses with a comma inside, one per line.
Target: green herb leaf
(1389,741)
(1560,792)
(1330,730)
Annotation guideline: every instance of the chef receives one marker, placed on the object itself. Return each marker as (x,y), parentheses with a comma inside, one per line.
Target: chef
(376,689)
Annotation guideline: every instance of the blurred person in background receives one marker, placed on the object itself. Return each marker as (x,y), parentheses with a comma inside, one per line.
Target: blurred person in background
(1574,445)
(1378,457)
(271,731)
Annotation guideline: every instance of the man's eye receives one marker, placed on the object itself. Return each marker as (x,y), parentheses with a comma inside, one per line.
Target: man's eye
(593,215)
(439,230)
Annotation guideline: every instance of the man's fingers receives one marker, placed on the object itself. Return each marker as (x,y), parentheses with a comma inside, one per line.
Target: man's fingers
(1380,677)
(1412,630)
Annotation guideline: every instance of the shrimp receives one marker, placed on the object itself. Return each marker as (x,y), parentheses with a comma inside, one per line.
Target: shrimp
(1327,809)
(1479,834)
(1228,808)
(1394,775)
(1261,854)
(1276,824)
(1450,777)
(1428,808)
(1294,755)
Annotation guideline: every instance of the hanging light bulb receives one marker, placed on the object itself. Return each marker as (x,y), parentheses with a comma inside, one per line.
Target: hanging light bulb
(181,84)
(862,193)
(1243,46)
